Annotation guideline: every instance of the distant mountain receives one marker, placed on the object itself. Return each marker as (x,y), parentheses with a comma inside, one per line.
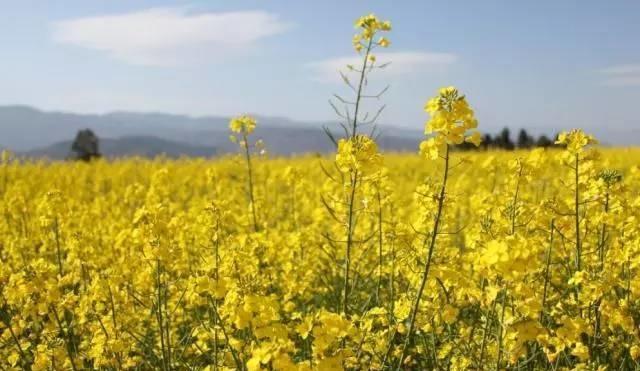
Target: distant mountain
(28,130)
(34,132)
(24,128)
(295,140)
(125,147)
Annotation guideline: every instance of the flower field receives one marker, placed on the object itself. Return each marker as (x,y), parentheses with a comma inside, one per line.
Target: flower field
(360,260)
(156,265)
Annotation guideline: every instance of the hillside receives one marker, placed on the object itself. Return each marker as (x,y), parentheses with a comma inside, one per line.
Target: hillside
(143,146)
(49,134)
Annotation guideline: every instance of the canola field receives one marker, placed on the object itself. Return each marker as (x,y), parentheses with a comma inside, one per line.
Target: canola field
(143,264)
(439,260)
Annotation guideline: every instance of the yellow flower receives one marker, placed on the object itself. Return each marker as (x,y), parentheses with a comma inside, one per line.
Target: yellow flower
(305,327)
(475,138)
(433,105)
(578,278)
(449,313)
(431,148)
(13,358)
(448,91)
(581,351)
(358,154)
(451,117)
(242,124)
(369,26)
(243,318)
(575,140)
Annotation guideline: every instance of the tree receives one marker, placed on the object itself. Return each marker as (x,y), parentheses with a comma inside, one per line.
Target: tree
(504,140)
(487,141)
(524,139)
(544,141)
(85,146)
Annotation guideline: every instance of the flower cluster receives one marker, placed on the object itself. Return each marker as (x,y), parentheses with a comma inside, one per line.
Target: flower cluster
(244,124)
(369,27)
(575,140)
(451,118)
(359,153)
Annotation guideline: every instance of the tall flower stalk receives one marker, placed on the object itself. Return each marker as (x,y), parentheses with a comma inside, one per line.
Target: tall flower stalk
(451,118)
(357,158)
(354,145)
(244,126)
(576,141)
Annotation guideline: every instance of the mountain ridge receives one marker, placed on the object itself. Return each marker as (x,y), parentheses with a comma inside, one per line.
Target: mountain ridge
(132,146)
(34,132)
(25,128)
(29,130)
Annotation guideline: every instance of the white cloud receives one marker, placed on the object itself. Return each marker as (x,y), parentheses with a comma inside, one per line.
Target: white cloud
(401,63)
(622,75)
(170,36)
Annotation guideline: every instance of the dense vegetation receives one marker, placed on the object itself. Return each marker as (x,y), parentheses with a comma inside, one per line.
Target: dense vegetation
(153,264)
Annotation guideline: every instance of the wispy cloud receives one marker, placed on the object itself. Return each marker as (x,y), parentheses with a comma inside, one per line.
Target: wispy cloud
(400,63)
(622,75)
(170,36)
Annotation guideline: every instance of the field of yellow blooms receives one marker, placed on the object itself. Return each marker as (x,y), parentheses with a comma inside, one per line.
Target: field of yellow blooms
(158,264)
(446,260)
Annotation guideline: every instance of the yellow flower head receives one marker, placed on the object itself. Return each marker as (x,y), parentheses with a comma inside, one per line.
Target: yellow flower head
(369,26)
(243,124)
(475,138)
(575,140)
(358,154)
(432,148)
(581,351)
(451,118)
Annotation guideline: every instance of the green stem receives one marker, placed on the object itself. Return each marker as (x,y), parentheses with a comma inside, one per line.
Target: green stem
(159,316)
(250,181)
(15,339)
(350,228)
(485,335)
(115,324)
(65,335)
(215,304)
(363,75)
(577,216)
(235,356)
(547,272)
(56,232)
(427,266)
(501,330)
(514,208)
(603,232)
(380,243)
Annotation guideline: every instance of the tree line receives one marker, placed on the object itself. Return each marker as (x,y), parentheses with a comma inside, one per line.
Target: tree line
(503,141)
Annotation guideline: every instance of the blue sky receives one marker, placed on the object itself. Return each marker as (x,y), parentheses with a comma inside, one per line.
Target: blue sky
(542,65)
